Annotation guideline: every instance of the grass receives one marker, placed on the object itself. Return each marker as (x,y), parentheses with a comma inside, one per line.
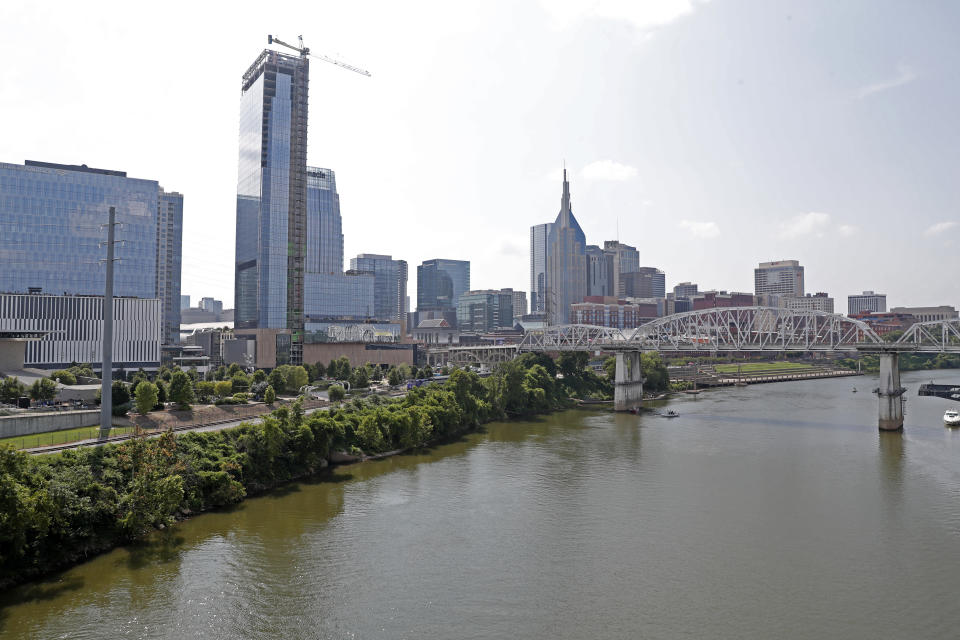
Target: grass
(761,367)
(60,437)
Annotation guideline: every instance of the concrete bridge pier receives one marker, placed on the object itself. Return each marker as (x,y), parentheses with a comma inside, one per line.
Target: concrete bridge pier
(890,392)
(628,387)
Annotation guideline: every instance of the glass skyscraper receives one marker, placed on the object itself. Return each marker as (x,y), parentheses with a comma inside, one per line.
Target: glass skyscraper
(324,225)
(566,262)
(539,239)
(440,283)
(51,235)
(52,230)
(272,197)
(390,284)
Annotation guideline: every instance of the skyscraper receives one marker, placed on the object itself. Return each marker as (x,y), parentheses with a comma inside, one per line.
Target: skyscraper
(440,283)
(272,197)
(169,261)
(539,239)
(625,259)
(645,282)
(566,262)
(389,284)
(783,277)
(324,224)
(599,272)
(867,301)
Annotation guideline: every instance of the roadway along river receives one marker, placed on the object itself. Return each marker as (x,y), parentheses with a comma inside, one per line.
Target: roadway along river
(773,511)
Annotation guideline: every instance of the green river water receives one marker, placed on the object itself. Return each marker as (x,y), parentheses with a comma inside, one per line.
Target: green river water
(772,511)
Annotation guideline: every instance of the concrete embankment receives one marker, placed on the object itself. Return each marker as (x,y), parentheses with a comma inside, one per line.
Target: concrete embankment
(33,422)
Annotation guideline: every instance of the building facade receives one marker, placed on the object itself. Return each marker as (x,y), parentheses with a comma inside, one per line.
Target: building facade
(52,232)
(74,329)
(539,241)
(624,259)
(685,290)
(867,301)
(645,282)
(819,301)
(519,303)
(485,310)
(389,284)
(713,299)
(783,277)
(272,197)
(440,282)
(566,262)
(324,224)
(599,272)
(928,314)
(616,315)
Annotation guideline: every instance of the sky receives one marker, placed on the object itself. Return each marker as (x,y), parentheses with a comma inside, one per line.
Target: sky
(711,135)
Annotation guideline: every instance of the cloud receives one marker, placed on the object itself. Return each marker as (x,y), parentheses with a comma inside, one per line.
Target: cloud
(805,224)
(940,227)
(608,170)
(644,15)
(905,75)
(701,229)
(847,230)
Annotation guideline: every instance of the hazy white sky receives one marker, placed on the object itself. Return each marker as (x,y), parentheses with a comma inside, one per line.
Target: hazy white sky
(715,134)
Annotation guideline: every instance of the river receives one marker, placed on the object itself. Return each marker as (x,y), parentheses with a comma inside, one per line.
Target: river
(771,511)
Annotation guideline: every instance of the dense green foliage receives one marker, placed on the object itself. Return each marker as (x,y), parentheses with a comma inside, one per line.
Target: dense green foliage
(64,377)
(908,362)
(146,396)
(57,509)
(336,393)
(269,396)
(43,389)
(181,389)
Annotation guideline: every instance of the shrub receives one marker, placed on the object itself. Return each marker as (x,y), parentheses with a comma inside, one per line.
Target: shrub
(336,393)
(269,396)
(146,394)
(64,377)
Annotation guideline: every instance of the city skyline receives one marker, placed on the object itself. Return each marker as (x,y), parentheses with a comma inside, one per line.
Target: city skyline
(855,155)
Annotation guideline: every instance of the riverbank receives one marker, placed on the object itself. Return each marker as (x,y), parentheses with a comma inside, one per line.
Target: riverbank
(76,504)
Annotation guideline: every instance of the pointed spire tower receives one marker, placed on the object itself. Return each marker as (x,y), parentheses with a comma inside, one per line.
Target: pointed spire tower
(566,262)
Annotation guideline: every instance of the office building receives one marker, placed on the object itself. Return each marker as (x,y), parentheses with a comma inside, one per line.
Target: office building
(72,329)
(867,301)
(645,282)
(272,231)
(213,306)
(928,314)
(820,301)
(599,272)
(519,303)
(440,283)
(713,299)
(52,232)
(606,313)
(485,310)
(184,302)
(624,259)
(685,290)
(324,224)
(566,262)
(783,277)
(539,239)
(389,284)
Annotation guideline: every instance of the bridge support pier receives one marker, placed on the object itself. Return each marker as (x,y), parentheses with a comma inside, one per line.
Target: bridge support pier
(628,387)
(890,392)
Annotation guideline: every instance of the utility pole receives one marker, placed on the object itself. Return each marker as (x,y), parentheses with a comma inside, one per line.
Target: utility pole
(106,373)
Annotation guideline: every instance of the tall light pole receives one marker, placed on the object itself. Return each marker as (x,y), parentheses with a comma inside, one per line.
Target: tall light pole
(106,372)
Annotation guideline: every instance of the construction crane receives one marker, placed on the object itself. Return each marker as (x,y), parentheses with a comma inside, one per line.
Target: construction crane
(305,51)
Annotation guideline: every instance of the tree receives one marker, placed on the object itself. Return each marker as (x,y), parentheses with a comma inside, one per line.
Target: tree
(240,381)
(295,377)
(119,393)
(205,391)
(394,377)
(610,367)
(223,388)
(277,381)
(359,378)
(336,393)
(161,393)
(10,389)
(269,396)
(655,375)
(319,371)
(234,369)
(181,389)
(259,375)
(146,394)
(44,389)
(64,377)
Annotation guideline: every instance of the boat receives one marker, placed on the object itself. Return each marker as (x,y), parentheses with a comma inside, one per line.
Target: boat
(951,418)
(692,392)
(854,389)
(671,414)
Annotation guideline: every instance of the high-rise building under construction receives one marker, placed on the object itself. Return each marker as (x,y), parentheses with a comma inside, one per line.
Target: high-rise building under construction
(272,200)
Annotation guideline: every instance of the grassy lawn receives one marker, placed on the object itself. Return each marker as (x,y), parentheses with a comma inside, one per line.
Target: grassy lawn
(60,437)
(761,367)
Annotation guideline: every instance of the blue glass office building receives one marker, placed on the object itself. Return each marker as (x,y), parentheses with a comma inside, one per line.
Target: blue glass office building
(324,225)
(390,284)
(272,197)
(440,283)
(51,231)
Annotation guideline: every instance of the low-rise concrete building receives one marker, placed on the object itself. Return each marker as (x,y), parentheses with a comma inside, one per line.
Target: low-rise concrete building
(819,301)
(929,314)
